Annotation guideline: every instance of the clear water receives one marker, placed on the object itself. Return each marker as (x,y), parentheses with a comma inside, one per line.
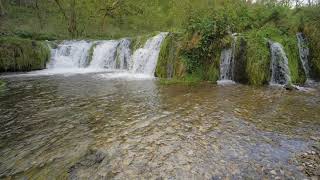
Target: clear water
(109,125)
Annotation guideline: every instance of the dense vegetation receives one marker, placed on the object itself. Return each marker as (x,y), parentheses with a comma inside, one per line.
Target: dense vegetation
(200,30)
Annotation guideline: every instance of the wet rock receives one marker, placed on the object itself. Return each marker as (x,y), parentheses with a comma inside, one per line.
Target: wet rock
(273,172)
(310,162)
(290,87)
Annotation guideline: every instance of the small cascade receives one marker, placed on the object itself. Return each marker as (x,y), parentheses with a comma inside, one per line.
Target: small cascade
(107,55)
(145,59)
(70,54)
(280,73)
(304,54)
(123,60)
(104,55)
(227,63)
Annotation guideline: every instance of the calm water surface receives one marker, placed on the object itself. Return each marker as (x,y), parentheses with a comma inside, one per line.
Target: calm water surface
(89,126)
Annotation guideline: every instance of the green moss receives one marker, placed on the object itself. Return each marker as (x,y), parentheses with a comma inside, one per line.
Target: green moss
(295,66)
(170,63)
(22,55)
(90,53)
(140,41)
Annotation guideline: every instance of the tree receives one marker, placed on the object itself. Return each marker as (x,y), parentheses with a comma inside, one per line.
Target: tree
(71,18)
(2,10)
(36,7)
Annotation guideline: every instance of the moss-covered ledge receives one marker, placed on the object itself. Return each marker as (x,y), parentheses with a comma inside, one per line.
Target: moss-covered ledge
(17,54)
(170,63)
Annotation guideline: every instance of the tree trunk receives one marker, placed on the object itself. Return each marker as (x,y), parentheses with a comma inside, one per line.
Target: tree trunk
(39,14)
(61,9)
(73,19)
(2,10)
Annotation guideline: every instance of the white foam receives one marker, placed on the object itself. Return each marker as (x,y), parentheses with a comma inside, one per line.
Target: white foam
(225,82)
(126,76)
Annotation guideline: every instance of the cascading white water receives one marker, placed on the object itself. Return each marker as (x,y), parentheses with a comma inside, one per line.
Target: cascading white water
(304,54)
(108,55)
(70,54)
(104,55)
(280,73)
(145,59)
(227,63)
(123,58)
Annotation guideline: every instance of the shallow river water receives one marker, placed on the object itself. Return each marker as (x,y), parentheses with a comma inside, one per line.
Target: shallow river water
(90,126)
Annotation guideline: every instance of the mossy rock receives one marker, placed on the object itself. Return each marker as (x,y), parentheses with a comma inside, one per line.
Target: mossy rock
(170,63)
(22,55)
(140,41)
(90,54)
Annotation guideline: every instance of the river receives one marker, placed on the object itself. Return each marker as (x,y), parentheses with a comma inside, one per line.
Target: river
(102,125)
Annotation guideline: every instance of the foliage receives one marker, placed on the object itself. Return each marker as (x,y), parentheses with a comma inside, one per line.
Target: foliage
(258,58)
(310,25)
(201,29)
(22,54)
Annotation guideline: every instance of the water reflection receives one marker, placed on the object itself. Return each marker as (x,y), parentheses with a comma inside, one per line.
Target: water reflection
(90,126)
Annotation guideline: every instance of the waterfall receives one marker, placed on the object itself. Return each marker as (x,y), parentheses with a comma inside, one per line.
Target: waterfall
(107,55)
(227,64)
(304,54)
(104,55)
(280,73)
(70,54)
(123,60)
(145,59)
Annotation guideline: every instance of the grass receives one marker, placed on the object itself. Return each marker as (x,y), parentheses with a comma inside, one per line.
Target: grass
(258,59)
